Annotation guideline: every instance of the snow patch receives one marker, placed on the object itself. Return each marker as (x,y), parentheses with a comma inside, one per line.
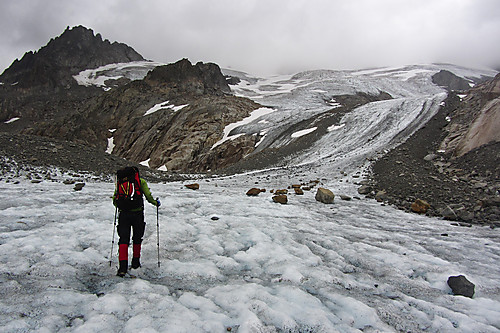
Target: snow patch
(267,87)
(157,107)
(165,105)
(263,133)
(298,134)
(111,145)
(135,70)
(178,107)
(335,127)
(145,163)
(253,116)
(334,103)
(11,120)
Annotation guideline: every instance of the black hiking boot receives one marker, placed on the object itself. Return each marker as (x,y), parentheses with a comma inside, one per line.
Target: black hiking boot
(122,270)
(136,263)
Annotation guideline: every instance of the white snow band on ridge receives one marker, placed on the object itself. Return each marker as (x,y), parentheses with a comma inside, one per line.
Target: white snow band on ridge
(11,120)
(253,116)
(335,127)
(135,70)
(165,105)
(303,132)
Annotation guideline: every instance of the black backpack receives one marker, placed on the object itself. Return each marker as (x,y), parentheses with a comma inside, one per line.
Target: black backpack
(128,189)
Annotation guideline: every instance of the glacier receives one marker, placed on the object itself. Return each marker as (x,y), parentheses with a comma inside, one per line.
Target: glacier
(352,266)
(235,263)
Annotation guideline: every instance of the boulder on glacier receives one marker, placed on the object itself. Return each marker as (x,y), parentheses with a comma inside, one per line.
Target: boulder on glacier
(324,195)
(461,286)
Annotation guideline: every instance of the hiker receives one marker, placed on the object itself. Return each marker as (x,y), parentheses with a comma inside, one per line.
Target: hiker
(128,198)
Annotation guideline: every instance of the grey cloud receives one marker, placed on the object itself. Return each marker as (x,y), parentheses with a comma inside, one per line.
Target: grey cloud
(272,35)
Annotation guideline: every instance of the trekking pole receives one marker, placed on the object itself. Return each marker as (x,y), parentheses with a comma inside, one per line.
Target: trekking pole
(113,240)
(158,232)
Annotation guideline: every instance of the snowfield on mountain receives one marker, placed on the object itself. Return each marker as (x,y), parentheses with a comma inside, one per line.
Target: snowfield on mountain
(231,262)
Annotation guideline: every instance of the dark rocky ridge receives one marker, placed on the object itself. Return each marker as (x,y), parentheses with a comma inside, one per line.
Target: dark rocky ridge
(183,77)
(40,87)
(450,81)
(75,50)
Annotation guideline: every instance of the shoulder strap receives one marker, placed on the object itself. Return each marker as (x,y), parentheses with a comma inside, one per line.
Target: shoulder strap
(137,183)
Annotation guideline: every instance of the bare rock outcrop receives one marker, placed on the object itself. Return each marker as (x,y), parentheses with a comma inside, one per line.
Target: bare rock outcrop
(200,79)
(476,121)
(450,81)
(172,118)
(484,129)
(178,136)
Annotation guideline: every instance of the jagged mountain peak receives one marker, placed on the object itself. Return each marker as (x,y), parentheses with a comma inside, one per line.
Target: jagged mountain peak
(76,49)
(201,78)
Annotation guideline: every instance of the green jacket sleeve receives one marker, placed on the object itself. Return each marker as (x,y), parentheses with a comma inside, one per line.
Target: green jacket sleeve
(147,193)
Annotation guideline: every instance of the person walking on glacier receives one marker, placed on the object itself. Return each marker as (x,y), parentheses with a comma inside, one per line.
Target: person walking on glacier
(128,199)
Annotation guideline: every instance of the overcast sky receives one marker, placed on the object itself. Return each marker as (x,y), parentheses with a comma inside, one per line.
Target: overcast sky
(269,36)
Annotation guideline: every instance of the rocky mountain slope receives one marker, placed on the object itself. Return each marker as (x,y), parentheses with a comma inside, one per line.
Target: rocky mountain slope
(461,187)
(172,118)
(40,87)
(476,121)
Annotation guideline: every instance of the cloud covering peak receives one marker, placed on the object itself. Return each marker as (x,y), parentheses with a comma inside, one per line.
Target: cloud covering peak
(270,36)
